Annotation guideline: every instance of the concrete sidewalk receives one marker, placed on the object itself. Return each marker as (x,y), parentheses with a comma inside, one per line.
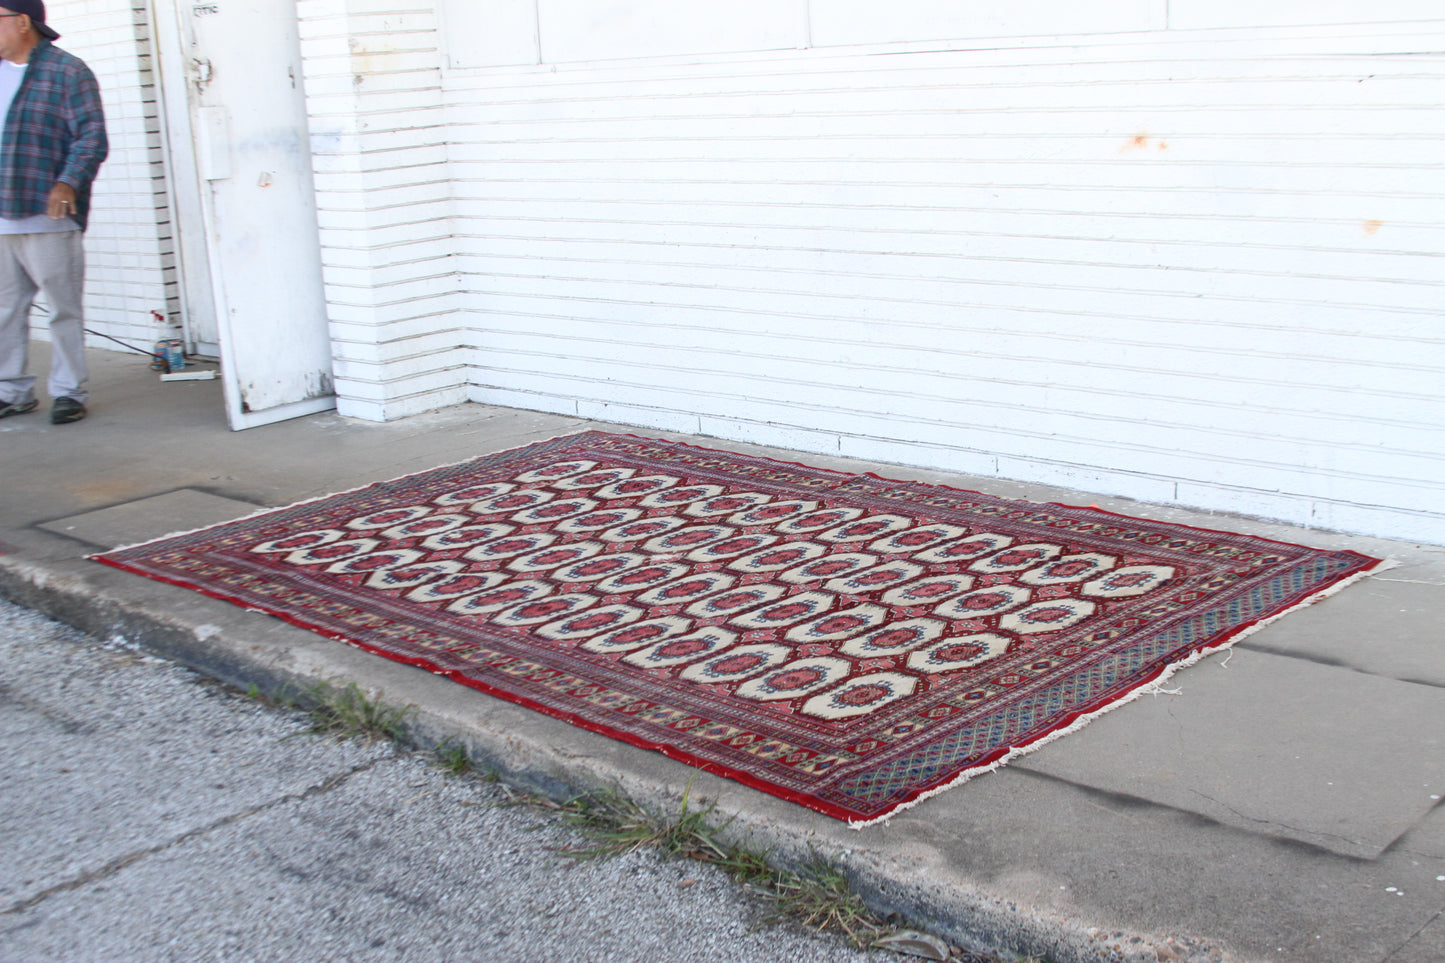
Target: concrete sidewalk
(1283,804)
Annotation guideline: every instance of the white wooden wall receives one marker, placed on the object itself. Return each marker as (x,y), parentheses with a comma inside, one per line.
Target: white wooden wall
(130,261)
(373,91)
(1187,262)
(1195,259)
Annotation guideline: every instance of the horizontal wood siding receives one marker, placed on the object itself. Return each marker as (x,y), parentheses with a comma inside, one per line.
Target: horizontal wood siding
(373,95)
(1193,266)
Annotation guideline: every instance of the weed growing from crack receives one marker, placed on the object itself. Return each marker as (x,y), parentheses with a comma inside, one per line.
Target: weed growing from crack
(614,825)
(451,758)
(817,895)
(346,712)
(282,699)
(343,712)
(820,897)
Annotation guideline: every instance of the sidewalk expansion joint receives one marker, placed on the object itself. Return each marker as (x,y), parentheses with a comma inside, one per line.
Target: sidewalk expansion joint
(1412,937)
(121,862)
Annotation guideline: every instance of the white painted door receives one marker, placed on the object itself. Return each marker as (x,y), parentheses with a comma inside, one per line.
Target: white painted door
(237,64)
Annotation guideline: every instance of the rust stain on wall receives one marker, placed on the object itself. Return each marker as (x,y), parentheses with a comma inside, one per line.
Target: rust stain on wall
(1138,142)
(1142,141)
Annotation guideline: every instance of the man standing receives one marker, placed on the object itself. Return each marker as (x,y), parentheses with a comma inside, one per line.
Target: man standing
(52,145)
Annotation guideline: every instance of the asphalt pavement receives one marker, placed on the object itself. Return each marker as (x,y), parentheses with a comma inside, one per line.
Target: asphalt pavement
(149,815)
(1281,802)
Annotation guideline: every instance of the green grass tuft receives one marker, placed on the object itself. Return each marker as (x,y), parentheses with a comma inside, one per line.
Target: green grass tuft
(451,758)
(614,825)
(283,698)
(820,897)
(817,896)
(346,712)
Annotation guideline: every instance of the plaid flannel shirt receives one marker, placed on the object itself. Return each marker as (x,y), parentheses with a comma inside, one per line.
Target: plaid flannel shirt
(54,132)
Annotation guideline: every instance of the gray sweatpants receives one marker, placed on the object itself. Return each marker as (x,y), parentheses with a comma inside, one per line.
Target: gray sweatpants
(53,264)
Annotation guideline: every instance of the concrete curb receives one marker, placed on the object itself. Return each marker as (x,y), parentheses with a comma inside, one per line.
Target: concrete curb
(245,650)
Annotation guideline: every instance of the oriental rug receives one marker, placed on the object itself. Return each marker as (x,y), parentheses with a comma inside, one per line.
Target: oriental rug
(849,643)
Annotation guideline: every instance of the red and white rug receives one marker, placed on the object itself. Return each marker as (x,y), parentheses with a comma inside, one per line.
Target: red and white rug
(846,642)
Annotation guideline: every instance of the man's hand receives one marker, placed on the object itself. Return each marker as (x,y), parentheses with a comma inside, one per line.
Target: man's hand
(62,201)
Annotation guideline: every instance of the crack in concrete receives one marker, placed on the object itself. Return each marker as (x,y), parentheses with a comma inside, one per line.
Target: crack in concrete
(1278,825)
(130,859)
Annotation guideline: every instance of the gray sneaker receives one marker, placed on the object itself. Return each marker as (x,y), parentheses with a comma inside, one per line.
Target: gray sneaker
(66,410)
(8,408)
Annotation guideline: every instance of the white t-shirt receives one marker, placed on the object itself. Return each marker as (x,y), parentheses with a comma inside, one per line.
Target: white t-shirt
(10,76)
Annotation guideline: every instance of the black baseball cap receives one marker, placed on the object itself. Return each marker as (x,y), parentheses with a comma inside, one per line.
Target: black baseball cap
(35,10)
